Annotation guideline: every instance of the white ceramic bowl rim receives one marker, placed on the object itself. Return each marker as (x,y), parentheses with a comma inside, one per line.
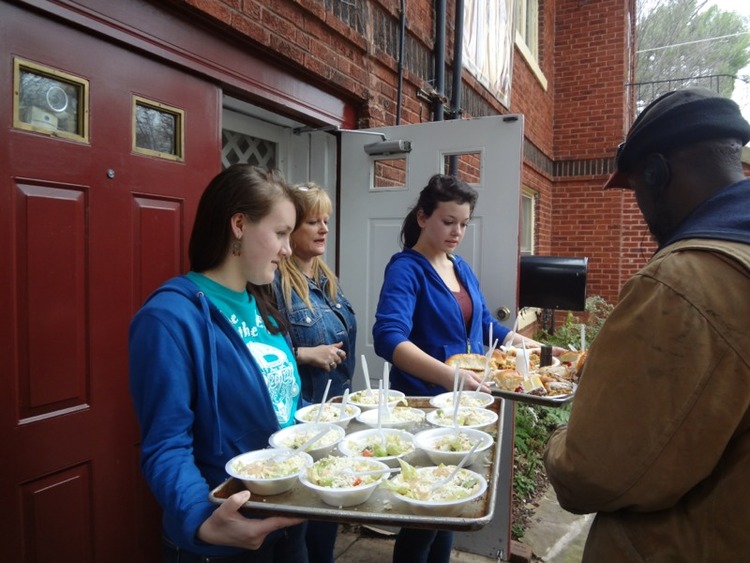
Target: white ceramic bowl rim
(393,397)
(257,455)
(355,412)
(275,438)
(437,504)
(491,416)
(371,461)
(426,439)
(441,400)
(363,434)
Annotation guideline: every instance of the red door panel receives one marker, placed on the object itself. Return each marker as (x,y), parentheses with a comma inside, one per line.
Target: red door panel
(87,231)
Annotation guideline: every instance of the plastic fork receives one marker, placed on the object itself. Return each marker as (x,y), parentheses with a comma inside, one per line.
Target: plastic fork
(461,463)
(287,455)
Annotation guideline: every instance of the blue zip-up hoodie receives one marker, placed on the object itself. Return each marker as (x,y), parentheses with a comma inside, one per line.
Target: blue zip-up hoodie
(416,305)
(200,399)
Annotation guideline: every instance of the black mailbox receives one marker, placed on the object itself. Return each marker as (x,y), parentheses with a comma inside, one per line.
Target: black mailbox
(553,282)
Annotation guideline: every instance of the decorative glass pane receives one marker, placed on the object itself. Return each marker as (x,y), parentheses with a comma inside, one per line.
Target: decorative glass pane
(50,101)
(237,147)
(158,129)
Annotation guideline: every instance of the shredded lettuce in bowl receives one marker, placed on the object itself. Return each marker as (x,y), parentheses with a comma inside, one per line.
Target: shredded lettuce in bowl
(373,446)
(297,438)
(341,472)
(271,468)
(331,413)
(368,397)
(467,416)
(455,442)
(416,483)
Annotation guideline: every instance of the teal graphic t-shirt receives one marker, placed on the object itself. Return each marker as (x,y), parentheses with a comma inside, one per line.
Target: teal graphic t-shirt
(270,351)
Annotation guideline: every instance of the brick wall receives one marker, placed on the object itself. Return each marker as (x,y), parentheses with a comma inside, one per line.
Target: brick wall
(571,126)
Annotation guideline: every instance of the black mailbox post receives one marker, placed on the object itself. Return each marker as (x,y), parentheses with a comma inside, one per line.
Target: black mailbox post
(553,282)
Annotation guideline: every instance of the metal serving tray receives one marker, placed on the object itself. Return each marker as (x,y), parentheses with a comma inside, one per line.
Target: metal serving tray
(382,507)
(554,401)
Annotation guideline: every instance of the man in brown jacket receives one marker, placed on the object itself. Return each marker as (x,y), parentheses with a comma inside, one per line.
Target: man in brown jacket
(658,442)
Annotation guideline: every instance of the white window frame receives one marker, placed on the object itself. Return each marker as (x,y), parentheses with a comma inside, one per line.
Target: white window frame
(527,36)
(527,225)
(528,222)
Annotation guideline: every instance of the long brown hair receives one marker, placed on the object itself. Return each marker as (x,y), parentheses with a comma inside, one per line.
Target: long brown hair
(312,201)
(240,188)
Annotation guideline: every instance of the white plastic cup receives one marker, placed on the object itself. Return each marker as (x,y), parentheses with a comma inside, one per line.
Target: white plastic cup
(522,362)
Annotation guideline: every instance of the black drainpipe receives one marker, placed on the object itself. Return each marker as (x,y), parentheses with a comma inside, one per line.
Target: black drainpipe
(458,63)
(402,34)
(439,60)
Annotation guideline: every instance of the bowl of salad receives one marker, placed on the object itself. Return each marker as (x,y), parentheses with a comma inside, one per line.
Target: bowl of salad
(368,398)
(450,445)
(396,417)
(416,486)
(386,445)
(468,399)
(270,471)
(294,437)
(467,417)
(344,481)
(331,413)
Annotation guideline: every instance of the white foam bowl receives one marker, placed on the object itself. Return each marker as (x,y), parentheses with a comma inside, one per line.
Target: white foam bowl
(365,399)
(443,507)
(437,442)
(353,444)
(269,485)
(468,417)
(398,417)
(343,493)
(295,436)
(468,399)
(331,413)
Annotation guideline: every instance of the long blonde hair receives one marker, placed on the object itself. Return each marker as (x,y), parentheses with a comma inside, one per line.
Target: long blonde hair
(311,201)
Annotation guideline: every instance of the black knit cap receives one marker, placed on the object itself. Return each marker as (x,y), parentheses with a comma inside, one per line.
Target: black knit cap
(677,119)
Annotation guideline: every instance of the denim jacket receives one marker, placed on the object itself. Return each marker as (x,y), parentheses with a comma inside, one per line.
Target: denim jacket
(327,322)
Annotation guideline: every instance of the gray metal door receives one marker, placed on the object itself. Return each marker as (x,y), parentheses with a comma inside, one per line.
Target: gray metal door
(377,190)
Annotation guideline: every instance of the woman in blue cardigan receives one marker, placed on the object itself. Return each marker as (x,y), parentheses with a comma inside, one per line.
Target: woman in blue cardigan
(430,308)
(212,375)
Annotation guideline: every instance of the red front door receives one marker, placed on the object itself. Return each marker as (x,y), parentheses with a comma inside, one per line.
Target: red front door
(87,229)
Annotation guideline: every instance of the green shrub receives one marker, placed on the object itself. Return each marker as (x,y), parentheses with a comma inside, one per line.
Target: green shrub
(534,424)
(596,312)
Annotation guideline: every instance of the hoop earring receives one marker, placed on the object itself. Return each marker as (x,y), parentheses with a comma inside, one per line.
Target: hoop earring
(237,247)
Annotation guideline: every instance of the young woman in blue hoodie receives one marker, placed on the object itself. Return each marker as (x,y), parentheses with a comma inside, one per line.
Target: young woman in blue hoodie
(430,308)
(212,375)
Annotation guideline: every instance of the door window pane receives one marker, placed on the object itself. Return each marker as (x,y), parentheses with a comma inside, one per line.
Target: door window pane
(157,129)
(466,166)
(50,101)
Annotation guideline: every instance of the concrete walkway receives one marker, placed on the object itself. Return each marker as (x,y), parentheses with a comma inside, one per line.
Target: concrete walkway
(553,536)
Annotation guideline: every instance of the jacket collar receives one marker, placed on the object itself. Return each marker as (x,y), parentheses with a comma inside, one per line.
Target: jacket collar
(725,216)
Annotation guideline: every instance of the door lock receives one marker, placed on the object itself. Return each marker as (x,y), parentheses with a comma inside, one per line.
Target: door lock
(503,313)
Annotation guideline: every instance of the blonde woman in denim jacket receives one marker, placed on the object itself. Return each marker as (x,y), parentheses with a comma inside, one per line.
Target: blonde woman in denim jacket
(321,321)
